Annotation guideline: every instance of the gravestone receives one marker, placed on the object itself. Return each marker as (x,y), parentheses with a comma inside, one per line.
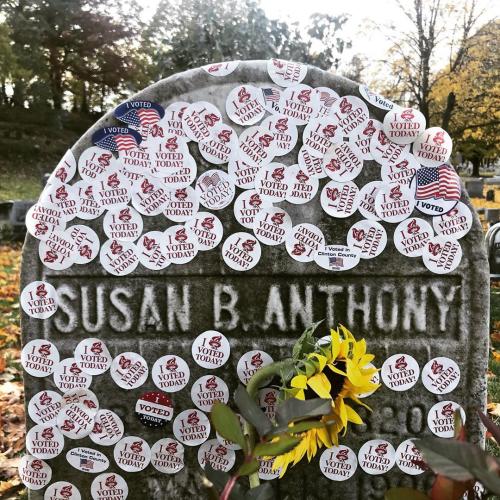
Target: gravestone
(392,301)
(474,187)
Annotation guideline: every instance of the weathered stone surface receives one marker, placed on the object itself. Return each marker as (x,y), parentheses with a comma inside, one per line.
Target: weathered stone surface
(393,301)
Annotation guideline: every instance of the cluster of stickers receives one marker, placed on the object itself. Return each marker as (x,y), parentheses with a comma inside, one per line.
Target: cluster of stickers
(145,168)
(75,412)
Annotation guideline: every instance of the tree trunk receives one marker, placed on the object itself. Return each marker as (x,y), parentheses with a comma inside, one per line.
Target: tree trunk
(451,101)
(84,107)
(476,164)
(55,73)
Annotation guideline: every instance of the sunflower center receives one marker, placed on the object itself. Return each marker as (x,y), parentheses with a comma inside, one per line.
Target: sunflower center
(336,381)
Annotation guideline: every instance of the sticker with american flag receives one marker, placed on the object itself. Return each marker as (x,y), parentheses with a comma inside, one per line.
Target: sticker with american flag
(116,138)
(139,113)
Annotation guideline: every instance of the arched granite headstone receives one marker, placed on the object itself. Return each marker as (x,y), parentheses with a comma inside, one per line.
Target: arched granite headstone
(393,301)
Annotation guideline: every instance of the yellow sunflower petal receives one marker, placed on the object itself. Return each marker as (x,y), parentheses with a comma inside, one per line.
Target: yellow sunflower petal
(352,416)
(353,373)
(321,359)
(320,385)
(299,382)
(324,437)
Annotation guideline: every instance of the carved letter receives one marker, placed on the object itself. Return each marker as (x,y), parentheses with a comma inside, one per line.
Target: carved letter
(229,306)
(363,306)
(67,296)
(123,321)
(444,303)
(100,312)
(299,307)
(414,307)
(275,313)
(178,310)
(392,321)
(149,314)
(331,291)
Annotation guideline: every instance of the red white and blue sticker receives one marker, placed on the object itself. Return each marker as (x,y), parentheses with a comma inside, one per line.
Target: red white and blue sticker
(337,257)
(154,409)
(116,138)
(139,113)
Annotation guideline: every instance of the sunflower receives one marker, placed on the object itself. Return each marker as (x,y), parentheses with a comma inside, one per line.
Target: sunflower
(340,371)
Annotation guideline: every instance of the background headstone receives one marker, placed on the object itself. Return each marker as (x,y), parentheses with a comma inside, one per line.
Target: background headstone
(392,301)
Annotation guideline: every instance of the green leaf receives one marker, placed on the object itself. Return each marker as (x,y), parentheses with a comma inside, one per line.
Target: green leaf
(251,412)
(460,461)
(491,426)
(219,480)
(306,342)
(309,368)
(284,444)
(262,492)
(248,468)
(299,427)
(287,371)
(406,493)
(227,424)
(294,409)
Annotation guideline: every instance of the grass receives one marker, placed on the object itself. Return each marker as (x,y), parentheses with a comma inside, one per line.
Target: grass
(18,186)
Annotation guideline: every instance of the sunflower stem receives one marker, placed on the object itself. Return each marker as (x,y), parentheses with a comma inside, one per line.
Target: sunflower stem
(255,382)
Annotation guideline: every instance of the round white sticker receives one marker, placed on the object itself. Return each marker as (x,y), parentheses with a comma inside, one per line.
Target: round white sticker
(150,196)
(84,396)
(95,162)
(304,241)
(242,173)
(170,373)
(343,162)
(207,390)
(44,441)
(442,255)
(337,257)
(401,172)
(92,356)
(340,199)
(108,428)
(171,123)
(286,73)
(245,105)
(298,103)
(211,349)
(183,205)
(301,187)
(191,427)
(352,115)
(374,380)
(441,375)
(272,182)
(321,134)
(113,191)
(338,463)
(180,244)
(400,372)
(89,207)
(385,151)
(271,99)
(310,164)
(44,407)
(58,251)
(199,120)
(43,218)
(65,169)
(436,190)
(247,206)
(268,401)
(215,189)
(217,455)
(150,251)
(375,99)
(69,376)
(251,362)
(109,485)
(119,257)
(34,472)
(284,131)
(403,125)
(63,196)
(441,418)
(139,160)
(376,457)
(87,460)
(221,146)
(409,459)
(266,470)
(86,242)
(454,224)
(221,69)
(433,147)
(257,146)
(327,98)
(75,420)
(132,454)
(62,490)
(368,237)
(412,235)
(173,163)
(362,141)
(367,195)
(129,370)
(39,357)
(208,228)
(394,202)
(167,456)
(272,226)
(241,251)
